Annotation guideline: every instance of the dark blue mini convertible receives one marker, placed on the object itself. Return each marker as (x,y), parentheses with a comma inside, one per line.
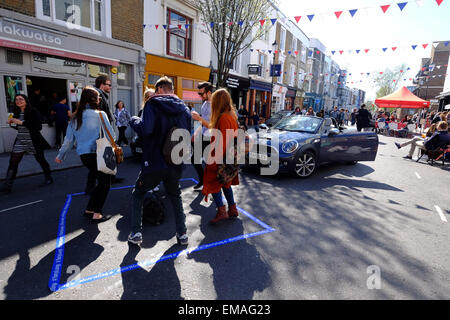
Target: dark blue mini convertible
(301,143)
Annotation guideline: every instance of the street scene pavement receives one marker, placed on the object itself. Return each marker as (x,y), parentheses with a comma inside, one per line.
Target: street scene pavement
(373,230)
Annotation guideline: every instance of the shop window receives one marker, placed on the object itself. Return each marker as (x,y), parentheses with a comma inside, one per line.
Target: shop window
(58,65)
(124,75)
(96,70)
(188,84)
(178,35)
(14,57)
(152,78)
(13,87)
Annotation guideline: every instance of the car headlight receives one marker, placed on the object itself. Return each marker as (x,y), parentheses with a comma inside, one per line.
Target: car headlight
(289,146)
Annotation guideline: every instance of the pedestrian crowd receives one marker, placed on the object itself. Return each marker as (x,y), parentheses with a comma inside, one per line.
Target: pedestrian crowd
(161,113)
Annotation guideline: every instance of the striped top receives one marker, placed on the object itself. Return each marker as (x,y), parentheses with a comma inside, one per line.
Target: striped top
(23,141)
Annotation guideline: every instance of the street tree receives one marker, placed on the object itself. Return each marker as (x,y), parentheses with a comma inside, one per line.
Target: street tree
(387,81)
(233,26)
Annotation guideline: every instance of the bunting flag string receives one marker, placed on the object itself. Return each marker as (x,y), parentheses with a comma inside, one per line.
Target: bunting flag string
(385,49)
(337,14)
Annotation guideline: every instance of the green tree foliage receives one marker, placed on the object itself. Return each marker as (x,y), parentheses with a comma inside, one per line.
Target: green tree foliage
(235,26)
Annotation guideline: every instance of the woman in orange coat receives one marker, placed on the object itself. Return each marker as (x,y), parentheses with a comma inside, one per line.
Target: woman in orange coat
(223,118)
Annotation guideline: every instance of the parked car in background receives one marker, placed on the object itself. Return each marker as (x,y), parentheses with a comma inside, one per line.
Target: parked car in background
(305,142)
(277,116)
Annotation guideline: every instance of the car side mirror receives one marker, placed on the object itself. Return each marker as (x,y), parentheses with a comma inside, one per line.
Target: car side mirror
(263,126)
(333,132)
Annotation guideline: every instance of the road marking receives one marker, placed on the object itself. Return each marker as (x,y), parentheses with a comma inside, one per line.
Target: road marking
(418,176)
(441,214)
(22,205)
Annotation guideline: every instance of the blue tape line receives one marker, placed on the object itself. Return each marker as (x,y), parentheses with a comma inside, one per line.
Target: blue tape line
(163,258)
(55,275)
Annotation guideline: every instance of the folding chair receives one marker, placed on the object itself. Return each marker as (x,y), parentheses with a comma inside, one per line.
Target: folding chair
(381,126)
(393,126)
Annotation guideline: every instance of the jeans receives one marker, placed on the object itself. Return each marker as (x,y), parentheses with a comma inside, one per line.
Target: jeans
(100,192)
(197,161)
(218,200)
(147,182)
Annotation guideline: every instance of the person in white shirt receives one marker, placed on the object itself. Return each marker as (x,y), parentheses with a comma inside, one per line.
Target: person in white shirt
(205,91)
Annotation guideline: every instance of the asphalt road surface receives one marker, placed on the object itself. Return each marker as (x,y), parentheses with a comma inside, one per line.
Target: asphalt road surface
(374,230)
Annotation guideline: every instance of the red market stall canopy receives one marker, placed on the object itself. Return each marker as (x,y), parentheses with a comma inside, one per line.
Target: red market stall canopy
(402,98)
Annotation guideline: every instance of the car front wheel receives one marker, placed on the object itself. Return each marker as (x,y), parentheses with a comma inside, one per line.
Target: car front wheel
(305,165)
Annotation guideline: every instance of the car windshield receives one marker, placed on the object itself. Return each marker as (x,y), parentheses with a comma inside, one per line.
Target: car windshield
(299,123)
(280,115)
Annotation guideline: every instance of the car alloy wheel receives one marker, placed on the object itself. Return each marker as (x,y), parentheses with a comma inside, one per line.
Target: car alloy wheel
(305,165)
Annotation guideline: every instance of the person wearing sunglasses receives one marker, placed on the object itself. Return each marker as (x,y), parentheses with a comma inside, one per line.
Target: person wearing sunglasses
(103,85)
(205,92)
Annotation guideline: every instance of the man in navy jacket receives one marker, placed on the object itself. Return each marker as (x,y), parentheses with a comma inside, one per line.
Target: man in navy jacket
(162,112)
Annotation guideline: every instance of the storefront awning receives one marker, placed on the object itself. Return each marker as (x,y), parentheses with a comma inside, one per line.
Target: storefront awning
(260,85)
(24,46)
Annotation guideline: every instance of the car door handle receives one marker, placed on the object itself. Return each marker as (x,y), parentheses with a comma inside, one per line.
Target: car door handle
(371,138)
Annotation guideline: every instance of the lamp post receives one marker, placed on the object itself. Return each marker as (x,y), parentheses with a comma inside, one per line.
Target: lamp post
(272,71)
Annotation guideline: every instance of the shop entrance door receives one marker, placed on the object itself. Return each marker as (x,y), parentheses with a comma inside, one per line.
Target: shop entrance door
(75,89)
(44,93)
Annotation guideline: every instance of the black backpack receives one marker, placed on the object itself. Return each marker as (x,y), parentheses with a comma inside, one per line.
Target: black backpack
(153,210)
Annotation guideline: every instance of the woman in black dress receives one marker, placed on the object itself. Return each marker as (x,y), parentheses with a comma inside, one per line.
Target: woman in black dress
(27,121)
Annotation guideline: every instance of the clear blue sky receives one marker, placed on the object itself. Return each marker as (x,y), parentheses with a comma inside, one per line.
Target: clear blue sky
(372,29)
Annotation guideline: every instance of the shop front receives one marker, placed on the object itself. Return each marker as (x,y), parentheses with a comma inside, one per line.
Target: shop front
(313,100)
(259,97)
(279,97)
(289,102)
(238,88)
(299,97)
(184,75)
(53,65)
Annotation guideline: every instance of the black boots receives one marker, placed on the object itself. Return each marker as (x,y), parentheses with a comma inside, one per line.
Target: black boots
(7,185)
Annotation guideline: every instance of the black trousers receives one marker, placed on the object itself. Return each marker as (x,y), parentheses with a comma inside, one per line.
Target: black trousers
(100,192)
(16,157)
(196,160)
(60,128)
(122,137)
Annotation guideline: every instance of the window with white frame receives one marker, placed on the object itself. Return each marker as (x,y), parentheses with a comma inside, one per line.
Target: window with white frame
(294,45)
(280,78)
(292,75)
(84,15)
(262,63)
(283,39)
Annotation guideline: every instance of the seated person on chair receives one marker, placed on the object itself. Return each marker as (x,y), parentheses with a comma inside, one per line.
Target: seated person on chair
(428,143)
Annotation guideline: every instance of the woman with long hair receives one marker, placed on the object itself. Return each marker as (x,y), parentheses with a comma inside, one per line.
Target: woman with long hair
(84,128)
(223,118)
(122,118)
(28,123)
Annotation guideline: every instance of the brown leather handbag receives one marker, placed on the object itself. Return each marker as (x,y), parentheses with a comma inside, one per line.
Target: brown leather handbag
(118,151)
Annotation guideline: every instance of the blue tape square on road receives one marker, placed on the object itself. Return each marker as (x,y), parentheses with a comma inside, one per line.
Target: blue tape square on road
(55,275)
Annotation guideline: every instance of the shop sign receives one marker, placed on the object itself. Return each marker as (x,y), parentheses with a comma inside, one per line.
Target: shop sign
(232,83)
(275,70)
(254,69)
(22,32)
